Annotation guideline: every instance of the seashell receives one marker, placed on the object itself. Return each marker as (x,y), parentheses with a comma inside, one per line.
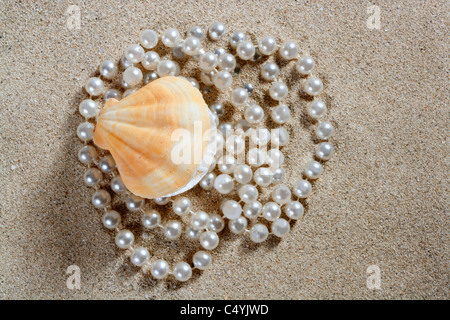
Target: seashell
(159,136)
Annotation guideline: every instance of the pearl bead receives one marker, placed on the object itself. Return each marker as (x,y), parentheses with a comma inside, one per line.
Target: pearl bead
(275,159)
(194,83)
(181,206)
(219,51)
(125,63)
(85,131)
(324,130)
(87,154)
(294,210)
(256,157)
(253,113)
(107,164)
(278,175)
(140,256)
(227,62)
(117,185)
(263,177)
(259,233)
(280,227)
(199,220)
(267,45)
(269,71)
(151,219)
(242,173)
(227,164)
(218,109)
(159,269)
(313,86)
(208,61)
(281,194)
(182,271)
(112,93)
(111,219)
(161,201)
(196,31)
(278,91)
(316,109)
(324,151)
(305,65)
(108,69)
(237,37)
(253,209)
(238,225)
(302,188)
(191,233)
(271,211)
(207,182)
(222,80)
(313,170)
(289,50)
(132,76)
(217,30)
(209,240)
(151,60)
(279,137)
(101,199)
(134,202)
(202,260)
(166,68)
(124,239)
(235,145)
(173,230)
(170,37)
(216,223)
(248,193)
(231,209)
(94,86)
(239,96)
(207,77)
(149,39)
(191,46)
(260,136)
(92,177)
(224,184)
(134,53)
(245,50)
(281,114)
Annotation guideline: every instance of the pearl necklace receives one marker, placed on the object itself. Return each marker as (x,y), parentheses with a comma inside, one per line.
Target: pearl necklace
(217,69)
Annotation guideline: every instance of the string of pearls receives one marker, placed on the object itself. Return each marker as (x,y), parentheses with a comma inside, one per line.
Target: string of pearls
(262,168)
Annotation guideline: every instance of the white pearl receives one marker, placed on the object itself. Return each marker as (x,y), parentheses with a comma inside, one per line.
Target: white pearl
(239,96)
(294,210)
(227,164)
(151,60)
(101,199)
(108,69)
(289,50)
(194,82)
(225,128)
(217,30)
(280,227)
(134,202)
(238,225)
(259,233)
(278,175)
(218,109)
(182,271)
(235,145)
(199,220)
(87,154)
(92,177)
(128,92)
(222,80)
(124,239)
(248,193)
(151,219)
(117,185)
(132,76)
(181,206)
(192,233)
(252,209)
(256,157)
(281,114)
(237,37)
(245,50)
(324,130)
(111,219)
(85,131)
(267,45)
(161,201)
(269,71)
(125,63)
(112,93)
(278,91)
(134,53)
(166,68)
(305,65)
(313,170)
(159,269)
(271,211)
(281,194)
(227,62)
(253,113)
(207,77)
(94,86)
(260,136)
(263,177)
(197,31)
(216,223)
(242,173)
(170,37)
(140,256)
(313,86)
(207,182)
(279,137)
(149,39)
(202,260)
(275,159)
(107,164)
(302,188)
(173,230)
(208,61)
(209,240)
(324,151)
(191,46)
(231,209)
(224,184)
(316,109)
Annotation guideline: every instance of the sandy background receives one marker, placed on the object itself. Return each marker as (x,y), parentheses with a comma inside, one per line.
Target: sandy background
(383,198)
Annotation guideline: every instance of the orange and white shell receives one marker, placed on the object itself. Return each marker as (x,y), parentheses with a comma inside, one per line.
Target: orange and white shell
(159,137)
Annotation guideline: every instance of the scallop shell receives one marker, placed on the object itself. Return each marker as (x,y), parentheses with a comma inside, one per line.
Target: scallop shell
(146,131)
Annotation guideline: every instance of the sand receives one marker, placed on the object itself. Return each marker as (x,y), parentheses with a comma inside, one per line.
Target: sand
(382,200)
